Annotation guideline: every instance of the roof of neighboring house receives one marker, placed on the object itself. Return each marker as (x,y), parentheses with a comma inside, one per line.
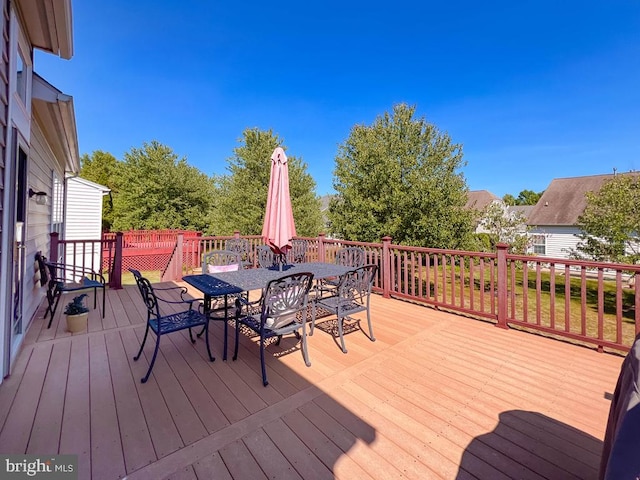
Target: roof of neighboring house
(101,188)
(524,210)
(480,199)
(565,199)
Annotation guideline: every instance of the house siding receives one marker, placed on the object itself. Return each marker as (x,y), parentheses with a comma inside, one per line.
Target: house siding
(560,240)
(83,218)
(41,163)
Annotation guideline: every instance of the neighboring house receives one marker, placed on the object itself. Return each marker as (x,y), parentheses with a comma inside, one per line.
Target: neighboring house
(481,200)
(324,211)
(38,146)
(553,221)
(83,218)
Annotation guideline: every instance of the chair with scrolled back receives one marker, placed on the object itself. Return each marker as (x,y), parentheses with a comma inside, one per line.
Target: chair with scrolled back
(265,257)
(281,310)
(298,251)
(352,295)
(162,317)
(241,247)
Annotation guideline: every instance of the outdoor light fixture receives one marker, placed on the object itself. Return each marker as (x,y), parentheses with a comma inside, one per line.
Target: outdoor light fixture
(41,197)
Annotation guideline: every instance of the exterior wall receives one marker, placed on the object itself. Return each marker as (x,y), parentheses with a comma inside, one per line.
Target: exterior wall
(41,165)
(5,260)
(83,218)
(559,240)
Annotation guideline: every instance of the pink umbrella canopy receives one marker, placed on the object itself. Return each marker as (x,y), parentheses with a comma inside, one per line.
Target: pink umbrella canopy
(279,228)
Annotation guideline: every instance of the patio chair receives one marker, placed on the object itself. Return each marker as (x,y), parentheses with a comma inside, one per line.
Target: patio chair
(352,295)
(298,251)
(282,310)
(265,257)
(351,257)
(347,256)
(165,319)
(62,278)
(240,246)
(219,261)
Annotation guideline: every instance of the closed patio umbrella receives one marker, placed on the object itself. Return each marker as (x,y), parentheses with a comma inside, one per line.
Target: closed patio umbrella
(279,228)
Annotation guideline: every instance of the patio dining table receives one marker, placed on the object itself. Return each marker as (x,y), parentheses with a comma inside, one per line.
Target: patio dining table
(224,284)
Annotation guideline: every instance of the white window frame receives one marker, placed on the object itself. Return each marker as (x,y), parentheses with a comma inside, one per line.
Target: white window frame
(539,244)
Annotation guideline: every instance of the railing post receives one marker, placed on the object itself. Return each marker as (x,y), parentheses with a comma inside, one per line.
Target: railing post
(321,253)
(386,266)
(115,276)
(502,285)
(236,234)
(179,256)
(53,252)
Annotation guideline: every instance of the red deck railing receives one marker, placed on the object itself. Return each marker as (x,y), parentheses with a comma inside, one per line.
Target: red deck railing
(590,302)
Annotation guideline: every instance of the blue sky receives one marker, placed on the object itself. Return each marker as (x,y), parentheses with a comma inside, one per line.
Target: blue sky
(532,90)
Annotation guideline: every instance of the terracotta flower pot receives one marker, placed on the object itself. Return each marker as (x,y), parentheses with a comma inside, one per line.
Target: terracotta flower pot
(77,323)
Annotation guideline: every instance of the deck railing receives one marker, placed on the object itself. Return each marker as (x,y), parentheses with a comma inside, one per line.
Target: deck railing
(590,302)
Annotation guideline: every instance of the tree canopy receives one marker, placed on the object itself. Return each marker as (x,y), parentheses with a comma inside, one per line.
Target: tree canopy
(399,177)
(610,223)
(157,191)
(525,197)
(102,168)
(241,197)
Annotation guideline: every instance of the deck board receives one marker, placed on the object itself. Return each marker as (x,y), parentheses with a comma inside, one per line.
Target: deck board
(437,395)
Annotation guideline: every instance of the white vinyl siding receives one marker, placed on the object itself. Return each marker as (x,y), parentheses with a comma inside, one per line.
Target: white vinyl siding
(559,241)
(83,219)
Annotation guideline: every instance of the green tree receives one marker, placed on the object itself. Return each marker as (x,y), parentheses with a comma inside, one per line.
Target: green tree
(509,199)
(610,223)
(528,197)
(505,227)
(161,191)
(102,168)
(241,198)
(399,177)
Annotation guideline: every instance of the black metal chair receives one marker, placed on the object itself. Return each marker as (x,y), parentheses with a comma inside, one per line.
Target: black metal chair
(162,322)
(265,257)
(352,295)
(298,251)
(281,310)
(62,278)
(348,257)
(220,261)
(240,246)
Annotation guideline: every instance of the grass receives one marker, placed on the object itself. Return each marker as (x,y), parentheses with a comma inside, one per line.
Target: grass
(551,309)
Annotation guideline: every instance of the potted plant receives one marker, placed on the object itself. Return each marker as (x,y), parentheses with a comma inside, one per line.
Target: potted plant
(77,314)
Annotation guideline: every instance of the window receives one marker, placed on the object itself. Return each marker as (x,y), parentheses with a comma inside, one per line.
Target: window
(57,205)
(21,78)
(539,244)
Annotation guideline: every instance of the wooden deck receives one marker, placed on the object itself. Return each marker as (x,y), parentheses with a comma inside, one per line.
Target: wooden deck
(436,396)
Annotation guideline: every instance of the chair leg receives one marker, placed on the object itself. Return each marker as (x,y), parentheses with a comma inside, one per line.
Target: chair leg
(55,306)
(313,318)
(104,296)
(341,334)
(206,340)
(305,352)
(371,337)
(144,340)
(153,360)
(224,348)
(265,382)
(191,336)
(235,350)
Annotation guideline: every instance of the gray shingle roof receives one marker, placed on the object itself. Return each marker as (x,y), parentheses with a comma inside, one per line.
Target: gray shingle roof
(565,199)
(479,199)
